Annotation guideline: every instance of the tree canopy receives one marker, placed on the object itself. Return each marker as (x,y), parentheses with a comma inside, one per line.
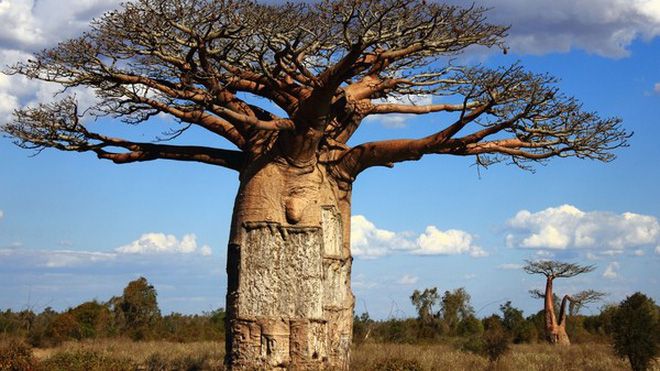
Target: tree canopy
(556,269)
(327,65)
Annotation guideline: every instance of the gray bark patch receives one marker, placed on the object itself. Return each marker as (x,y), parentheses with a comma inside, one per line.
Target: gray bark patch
(281,273)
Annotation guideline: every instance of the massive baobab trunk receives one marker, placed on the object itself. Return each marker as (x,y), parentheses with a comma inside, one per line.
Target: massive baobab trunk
(289,299)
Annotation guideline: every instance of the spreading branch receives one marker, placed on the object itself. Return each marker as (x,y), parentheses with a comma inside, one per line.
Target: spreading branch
(555,269)
(223,65)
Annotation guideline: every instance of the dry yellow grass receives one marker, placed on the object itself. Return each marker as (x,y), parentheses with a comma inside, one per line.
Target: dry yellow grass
(146,355)
(369,356)
(537,357)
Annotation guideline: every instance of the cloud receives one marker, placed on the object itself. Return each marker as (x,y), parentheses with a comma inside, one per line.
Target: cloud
(612,270)
(2,214)
(656,88)
(158,243)
(452,242)
(399,120)
(408,279)
(602,27)
(17,91)
(369,241)
(206,250)
(55,258)
(29,26)
(69,258)
(567,227)
(32,24)
(510,266)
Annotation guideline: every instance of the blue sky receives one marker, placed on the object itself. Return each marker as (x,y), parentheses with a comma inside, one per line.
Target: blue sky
(74,228)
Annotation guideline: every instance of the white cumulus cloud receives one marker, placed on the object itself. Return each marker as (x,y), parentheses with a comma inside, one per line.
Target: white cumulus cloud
(37,24)
(156,243)
(612,270)
(369,241)
(656,87)
(408,279)
(567,227)
(29,26)
(603,27)
(2,214)
(451,242)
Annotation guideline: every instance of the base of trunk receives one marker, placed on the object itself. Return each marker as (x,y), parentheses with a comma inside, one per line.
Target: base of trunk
(292,306)
(559,336)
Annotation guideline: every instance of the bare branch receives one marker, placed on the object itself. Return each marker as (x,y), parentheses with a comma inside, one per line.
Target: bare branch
(556,269)
(57,125)
(328,65)
(531,119)
(583,298)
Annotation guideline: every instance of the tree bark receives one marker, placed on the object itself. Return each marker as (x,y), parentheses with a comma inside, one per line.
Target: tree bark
(289,301)
(556,331)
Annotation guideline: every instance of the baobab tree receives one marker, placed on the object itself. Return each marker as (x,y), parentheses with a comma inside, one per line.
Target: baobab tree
(324,66)
(555,327)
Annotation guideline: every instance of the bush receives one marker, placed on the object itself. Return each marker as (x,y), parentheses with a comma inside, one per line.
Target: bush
(470,325)
(495,343)
(636,331)
(15,355)
(397,364)
(473,344)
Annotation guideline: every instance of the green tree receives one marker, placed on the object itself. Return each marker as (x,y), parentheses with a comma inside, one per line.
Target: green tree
(636,330)
(93,317)
(424,302)
(64,326)
(455,309)
(515,324)
(494,342)
(139,308)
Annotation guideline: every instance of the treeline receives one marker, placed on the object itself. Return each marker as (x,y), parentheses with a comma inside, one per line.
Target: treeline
(448,318)
(451,318)
(135,314)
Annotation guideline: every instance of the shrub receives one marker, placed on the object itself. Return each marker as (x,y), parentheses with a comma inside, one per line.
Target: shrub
(15,355)
(495,340)
(473,344)
(636,330)
(495,343)
(470,325)
(397,364)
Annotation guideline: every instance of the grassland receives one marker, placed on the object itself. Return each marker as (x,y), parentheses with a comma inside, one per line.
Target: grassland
(118,355)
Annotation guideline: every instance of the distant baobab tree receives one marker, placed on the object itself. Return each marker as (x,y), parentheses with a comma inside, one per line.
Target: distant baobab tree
(556,326)
(327,65)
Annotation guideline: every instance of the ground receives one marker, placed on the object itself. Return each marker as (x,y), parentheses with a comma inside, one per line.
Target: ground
(117,354)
